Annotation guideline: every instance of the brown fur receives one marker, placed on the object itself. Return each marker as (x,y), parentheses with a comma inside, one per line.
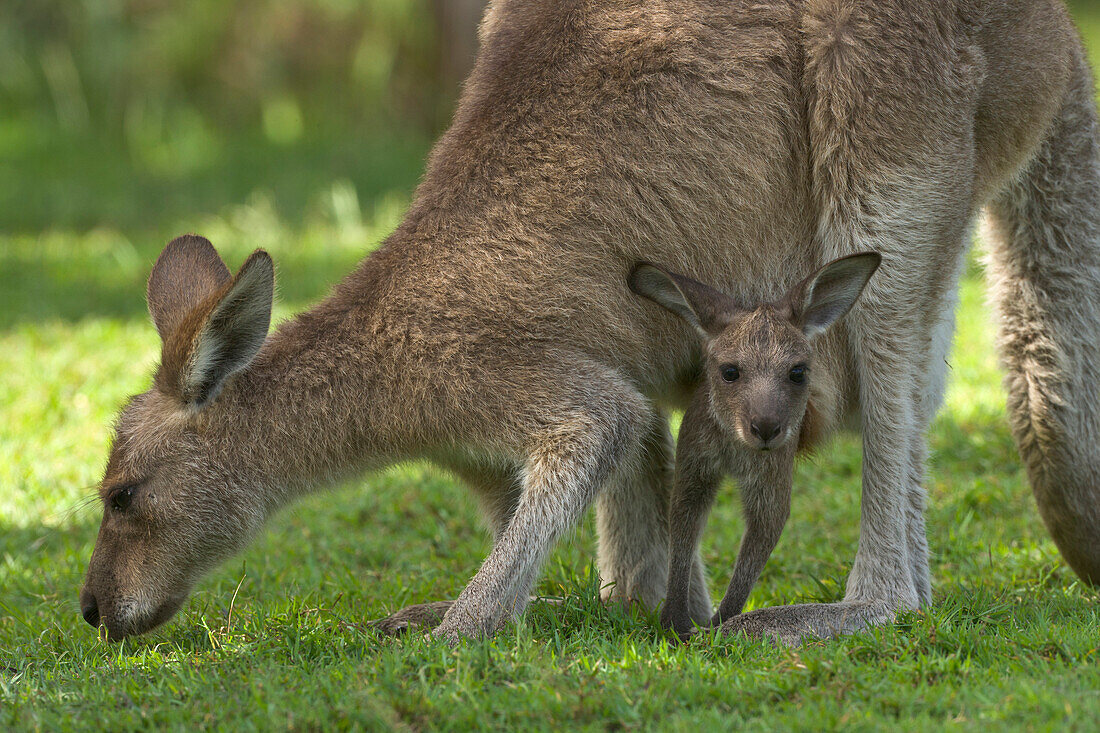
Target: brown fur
(737,142)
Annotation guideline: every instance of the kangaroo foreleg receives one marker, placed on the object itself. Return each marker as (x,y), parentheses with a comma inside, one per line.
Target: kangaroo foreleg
(698,473)
(410,618)
(497,485)
(567,463)
(766,501)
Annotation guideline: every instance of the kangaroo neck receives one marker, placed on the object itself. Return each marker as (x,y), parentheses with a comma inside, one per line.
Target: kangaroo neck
(311,409)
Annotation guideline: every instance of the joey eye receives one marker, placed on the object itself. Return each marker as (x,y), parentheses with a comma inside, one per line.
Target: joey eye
(798,374)
(730,373)
(120,500)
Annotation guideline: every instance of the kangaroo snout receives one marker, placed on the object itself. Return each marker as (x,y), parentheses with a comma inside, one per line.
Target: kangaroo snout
(89,609)
(765,429)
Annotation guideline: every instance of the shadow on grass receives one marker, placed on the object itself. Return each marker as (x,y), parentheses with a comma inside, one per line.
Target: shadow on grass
(41,574)
(80,183)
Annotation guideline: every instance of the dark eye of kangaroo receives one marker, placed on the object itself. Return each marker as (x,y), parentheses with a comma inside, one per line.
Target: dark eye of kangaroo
(798,374)
(730,373)
(120,500)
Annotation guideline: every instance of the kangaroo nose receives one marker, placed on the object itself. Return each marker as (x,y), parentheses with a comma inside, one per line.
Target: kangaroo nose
(90,611)
(764,428)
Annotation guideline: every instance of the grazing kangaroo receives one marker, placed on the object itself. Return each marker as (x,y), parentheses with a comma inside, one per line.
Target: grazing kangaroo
(771,386)
(739,142)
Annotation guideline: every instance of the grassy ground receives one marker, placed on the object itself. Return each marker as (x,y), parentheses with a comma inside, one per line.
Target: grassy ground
(275,637)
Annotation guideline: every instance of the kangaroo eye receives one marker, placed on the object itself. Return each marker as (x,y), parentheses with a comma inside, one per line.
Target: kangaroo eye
(730,373)
(798,374)
(120,500)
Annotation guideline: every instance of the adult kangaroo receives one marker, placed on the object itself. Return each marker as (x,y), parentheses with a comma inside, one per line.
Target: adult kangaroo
(739,142)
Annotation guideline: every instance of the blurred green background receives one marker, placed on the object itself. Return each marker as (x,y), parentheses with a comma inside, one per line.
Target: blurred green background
(134,114)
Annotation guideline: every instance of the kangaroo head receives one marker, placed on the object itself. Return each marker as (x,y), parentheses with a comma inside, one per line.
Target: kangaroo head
(759,361)
(174,503)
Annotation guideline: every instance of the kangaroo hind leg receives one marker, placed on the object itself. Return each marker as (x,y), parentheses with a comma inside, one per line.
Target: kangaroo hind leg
(895,175)
(632,520)
(1044,263)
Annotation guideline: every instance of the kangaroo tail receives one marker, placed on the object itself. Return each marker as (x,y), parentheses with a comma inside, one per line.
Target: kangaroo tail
(1045,268)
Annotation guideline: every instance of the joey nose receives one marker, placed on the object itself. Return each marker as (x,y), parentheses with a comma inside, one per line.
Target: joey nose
(90,611)
(764,428)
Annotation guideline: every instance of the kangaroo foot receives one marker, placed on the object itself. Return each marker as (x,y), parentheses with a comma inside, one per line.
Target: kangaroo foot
(423,616)
(429,617)
(791,625)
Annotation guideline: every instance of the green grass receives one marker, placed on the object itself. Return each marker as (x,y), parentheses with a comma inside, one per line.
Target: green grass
(275,638)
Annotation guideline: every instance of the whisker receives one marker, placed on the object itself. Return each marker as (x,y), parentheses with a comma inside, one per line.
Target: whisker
(89,498)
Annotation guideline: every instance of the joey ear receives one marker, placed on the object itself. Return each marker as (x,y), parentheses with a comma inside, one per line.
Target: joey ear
(824,297)
(705,308)
(221,335)
(186,273)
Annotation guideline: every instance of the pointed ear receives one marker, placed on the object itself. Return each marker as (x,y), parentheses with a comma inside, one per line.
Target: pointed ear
(705,308)
(219,336)
(186,273)
(824,297)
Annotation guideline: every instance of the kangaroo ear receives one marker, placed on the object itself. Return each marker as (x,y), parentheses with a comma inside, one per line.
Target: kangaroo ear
(220,335)
(824,297)
(705,308)
(186,273)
